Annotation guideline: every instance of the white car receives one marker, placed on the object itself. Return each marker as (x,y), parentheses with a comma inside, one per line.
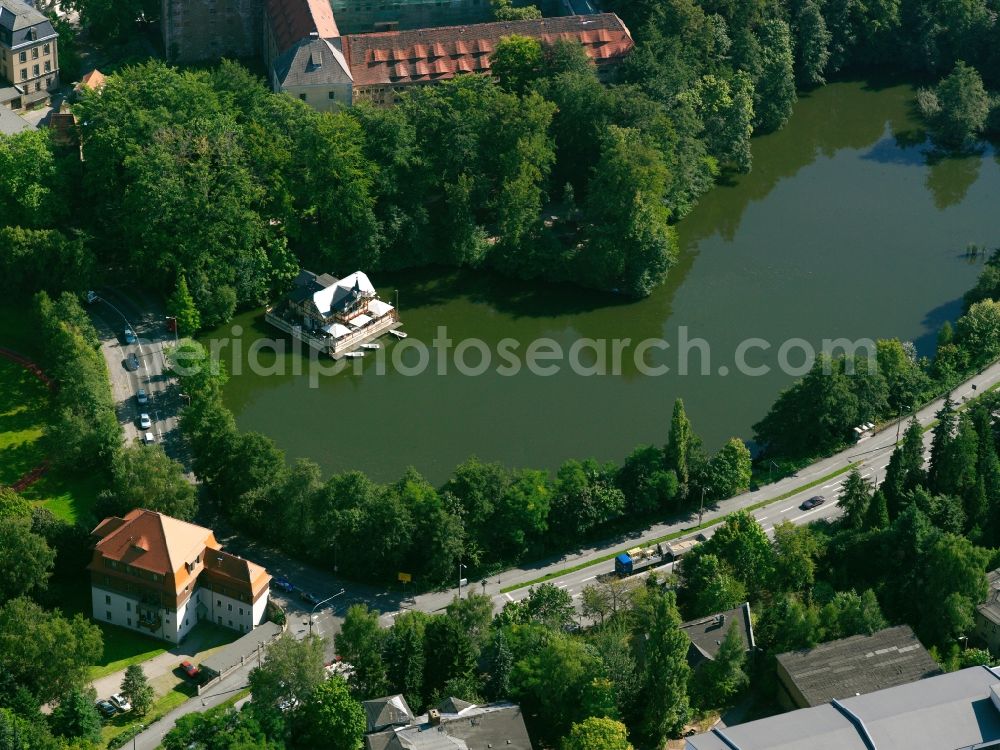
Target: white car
(144,421)
(120,702)
(148,439)
(141,396)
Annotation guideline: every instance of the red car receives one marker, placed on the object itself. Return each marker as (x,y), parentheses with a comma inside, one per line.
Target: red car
(190,669)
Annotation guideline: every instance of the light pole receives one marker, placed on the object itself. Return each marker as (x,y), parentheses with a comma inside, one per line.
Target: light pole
(701,508)
(397,300)
(138,341)
(461,567)
(318,604)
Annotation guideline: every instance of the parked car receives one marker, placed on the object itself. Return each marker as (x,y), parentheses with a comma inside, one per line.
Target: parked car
(129,336)
(309,597)
(144,421)
(814,502)
(282,584)
(120,702)
(289,704)
(141,396)
(106,709)
(190,669)
(148,438)
(132,362)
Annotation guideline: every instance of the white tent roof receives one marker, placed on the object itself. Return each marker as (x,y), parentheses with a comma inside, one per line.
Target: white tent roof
(361,320)
(337,330)
(356,282)
(378,308)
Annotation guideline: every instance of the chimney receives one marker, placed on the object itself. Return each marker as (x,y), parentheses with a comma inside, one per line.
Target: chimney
(434,717)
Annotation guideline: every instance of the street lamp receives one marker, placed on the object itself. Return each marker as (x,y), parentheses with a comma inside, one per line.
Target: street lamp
(318,604)
(93,297)
(461,567)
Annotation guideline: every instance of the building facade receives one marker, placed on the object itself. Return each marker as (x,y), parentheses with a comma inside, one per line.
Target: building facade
(161,576)
(29,54)
(196,30)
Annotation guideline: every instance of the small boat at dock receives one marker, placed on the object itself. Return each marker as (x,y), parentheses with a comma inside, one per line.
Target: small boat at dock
(371,346)
(354,355)
(397,333)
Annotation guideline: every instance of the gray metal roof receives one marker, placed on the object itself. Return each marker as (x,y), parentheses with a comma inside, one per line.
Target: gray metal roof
(707,633)
(11,122)
(952,711)
(385,712)
(312,62)
(859,664)
(497,725)
(990,609)
(18,20)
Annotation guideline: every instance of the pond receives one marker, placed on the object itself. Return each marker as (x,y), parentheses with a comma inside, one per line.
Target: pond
(846,228)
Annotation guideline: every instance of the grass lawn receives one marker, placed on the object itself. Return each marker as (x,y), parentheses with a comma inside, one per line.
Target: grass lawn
(24,403)
(163,705)
(70,498)
(123,648)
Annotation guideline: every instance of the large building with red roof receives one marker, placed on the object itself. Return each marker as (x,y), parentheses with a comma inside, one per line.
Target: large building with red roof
(160,576)
(328,64)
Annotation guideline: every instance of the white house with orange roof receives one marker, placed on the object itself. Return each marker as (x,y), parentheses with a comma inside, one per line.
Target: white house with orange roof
(161,576)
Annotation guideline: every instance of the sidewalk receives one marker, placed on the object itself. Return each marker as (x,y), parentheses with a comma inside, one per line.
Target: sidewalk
(200,643)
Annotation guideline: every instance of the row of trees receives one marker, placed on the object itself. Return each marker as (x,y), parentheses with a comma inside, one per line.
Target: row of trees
(485,515)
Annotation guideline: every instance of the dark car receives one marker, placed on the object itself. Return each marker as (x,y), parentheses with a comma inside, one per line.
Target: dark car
(190,669)
(106,709)
(309,597)
(132,362)
(282,584)
(814,502)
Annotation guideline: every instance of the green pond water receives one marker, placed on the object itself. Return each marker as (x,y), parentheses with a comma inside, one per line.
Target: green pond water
(846,227)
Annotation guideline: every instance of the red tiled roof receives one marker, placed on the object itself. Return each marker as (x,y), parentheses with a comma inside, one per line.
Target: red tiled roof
(439,53)
(294,20)
(151,541)
(94,79)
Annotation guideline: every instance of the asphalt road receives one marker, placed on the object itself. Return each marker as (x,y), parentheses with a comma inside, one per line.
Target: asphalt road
(112,313)
(871,456)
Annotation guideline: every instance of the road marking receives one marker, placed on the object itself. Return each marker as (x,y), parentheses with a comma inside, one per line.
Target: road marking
(562,585)
(785,510)
(588,579)
(509,597)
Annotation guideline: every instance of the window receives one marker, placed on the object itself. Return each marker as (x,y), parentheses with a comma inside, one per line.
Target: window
(23,57)
(130,622)
(108,615)
(128,606)
(34,70)
(107,599)
(24,74)
(302,97)
(230,607)
(219,603)
(241,611)
(38,85)
(48,66)
(45,48)
(34,53)
(331,95)
(230,623)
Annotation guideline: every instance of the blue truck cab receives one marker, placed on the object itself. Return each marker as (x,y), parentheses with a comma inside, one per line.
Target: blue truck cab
(623,564)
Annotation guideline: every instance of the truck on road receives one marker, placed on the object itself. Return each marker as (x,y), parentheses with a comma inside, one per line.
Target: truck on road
(637,560)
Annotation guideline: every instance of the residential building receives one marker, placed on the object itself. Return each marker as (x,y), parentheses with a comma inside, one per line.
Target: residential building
(314,49)
(453,725)
(161,575)
(93,80)
(315,71)
(334,316)
(209,29)
(988,615)
(707,633)
(29,56)
(11,122)
(853,666)
(384,65)
(954,711)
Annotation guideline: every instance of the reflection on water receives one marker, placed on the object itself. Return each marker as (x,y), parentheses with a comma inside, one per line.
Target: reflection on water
(844,228)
